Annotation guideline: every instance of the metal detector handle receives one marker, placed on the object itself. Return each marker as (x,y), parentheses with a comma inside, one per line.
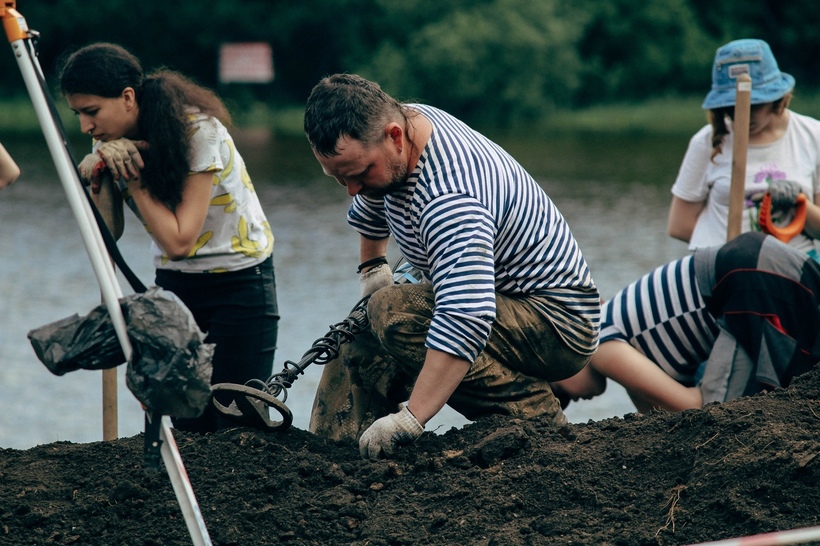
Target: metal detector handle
(20,37)
(14,23)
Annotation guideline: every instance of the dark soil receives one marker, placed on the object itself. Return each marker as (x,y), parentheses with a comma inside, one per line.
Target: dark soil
(742,468)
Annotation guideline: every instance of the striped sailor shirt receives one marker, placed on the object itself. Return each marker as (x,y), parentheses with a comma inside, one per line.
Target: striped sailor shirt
(664,316)
(474,222)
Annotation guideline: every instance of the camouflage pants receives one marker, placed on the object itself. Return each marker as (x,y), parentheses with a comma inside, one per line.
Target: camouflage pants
(375,373)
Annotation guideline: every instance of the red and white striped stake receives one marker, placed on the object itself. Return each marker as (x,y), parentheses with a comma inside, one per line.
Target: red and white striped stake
(795,536)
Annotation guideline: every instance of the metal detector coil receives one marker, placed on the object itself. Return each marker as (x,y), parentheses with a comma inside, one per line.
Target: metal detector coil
(252,401)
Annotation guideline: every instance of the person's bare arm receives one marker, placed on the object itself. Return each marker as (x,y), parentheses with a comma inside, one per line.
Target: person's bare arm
(9,171)
(439,377)
(683,215)
(647,384)
(176,231)
(372,248)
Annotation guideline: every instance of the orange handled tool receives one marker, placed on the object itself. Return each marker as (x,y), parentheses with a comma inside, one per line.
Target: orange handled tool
(785,233)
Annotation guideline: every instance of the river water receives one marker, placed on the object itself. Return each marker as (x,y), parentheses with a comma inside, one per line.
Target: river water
(613,191)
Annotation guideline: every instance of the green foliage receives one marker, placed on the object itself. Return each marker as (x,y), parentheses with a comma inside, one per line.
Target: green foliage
(18,114)
(499,62)
(637,50)
(504,63)
(790,28)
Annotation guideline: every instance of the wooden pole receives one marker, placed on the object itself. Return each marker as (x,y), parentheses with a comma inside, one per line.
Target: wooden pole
(112,216)
(740,134)
(109,404)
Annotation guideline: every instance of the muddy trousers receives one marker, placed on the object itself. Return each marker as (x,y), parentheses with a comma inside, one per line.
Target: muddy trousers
(375,373)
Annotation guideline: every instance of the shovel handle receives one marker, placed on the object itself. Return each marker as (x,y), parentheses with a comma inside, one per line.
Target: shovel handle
(785,233)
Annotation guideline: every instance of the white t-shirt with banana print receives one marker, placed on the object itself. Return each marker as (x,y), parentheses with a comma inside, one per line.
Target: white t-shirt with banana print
(236,234)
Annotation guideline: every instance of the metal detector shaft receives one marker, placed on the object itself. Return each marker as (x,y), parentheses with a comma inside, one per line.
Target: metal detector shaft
(20,39)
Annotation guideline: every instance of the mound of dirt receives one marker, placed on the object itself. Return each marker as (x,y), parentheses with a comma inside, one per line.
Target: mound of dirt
(742,468)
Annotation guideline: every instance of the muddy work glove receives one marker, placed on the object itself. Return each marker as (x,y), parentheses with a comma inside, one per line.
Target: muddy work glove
(375,278)
(386,434)
(90,169)
(122,157)
(784,194)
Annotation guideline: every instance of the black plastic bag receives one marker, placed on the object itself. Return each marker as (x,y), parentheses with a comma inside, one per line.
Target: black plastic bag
(170,368)
(74,343)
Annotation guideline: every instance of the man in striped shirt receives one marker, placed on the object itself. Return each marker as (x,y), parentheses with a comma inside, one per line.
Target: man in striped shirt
(507,303)
(723,322)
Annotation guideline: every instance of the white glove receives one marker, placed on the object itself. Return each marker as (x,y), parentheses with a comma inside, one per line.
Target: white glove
(122,157)
(90,169)
(375,278)
(387,433)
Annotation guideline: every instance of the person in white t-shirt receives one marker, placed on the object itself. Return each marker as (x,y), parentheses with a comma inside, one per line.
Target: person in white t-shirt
(783,156)
(164,140)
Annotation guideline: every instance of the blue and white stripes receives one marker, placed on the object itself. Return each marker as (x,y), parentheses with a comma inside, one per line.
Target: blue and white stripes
(475,222)
(664,316)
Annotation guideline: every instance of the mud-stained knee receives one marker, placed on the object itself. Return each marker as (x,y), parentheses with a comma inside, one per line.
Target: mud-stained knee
(399,300)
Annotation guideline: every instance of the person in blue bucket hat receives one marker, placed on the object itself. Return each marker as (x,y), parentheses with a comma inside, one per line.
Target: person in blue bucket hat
(783,156)
(748,56)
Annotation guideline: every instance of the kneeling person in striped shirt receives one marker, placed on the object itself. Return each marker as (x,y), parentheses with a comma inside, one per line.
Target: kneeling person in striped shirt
(723,322)
(507,303)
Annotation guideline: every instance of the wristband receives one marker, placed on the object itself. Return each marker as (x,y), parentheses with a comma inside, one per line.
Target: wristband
(375,261)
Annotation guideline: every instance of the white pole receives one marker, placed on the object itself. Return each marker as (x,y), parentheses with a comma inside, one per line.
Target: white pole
(94,244)
(182,486)
(795,536)
(109,286)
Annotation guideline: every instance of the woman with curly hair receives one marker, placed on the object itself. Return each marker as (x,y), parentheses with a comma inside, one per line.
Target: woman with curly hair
(164,140)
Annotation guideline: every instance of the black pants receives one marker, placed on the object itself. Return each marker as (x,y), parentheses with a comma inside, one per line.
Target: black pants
(239,313)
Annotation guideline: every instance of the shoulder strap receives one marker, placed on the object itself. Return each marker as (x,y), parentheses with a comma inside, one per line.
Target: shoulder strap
(113,250)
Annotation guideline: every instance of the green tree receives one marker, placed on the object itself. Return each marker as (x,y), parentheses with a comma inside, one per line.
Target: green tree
(789,27)
(500,62)
(638,50)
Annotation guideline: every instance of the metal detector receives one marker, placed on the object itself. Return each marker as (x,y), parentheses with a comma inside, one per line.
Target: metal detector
(252,401)
(23,45)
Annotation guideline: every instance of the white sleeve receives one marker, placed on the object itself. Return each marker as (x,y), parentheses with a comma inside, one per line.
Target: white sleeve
(204,146)
(691,184)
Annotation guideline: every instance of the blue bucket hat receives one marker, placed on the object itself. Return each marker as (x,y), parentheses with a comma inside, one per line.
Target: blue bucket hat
(749,56)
